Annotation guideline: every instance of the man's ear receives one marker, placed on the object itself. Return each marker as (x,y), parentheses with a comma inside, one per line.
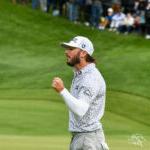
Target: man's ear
(83,54)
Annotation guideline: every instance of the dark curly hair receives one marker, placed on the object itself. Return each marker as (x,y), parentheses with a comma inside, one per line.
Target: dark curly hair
(90,59)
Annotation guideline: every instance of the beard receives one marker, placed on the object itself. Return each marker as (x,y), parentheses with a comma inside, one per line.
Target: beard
(74,61)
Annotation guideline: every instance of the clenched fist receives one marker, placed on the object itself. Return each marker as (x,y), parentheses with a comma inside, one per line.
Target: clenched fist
(58,84)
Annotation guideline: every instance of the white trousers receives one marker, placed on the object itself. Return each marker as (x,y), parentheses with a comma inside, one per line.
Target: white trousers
(94,140)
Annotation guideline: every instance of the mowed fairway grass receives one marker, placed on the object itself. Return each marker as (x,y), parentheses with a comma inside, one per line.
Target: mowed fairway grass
(33,116)
(58,143)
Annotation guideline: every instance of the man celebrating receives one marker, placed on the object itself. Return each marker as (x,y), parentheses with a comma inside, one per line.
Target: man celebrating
(86,100)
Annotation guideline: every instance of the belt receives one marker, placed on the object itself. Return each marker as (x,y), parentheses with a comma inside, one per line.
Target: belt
(75,133)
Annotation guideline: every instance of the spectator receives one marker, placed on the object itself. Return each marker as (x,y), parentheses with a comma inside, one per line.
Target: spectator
(51,3)
(81,5)
(127,25)
(136,10)
(137,23)
(142,22)
(105,22)
(106,4)
(43,5)
(101,13)
(72,8)
(87,11)
(128,5)
(142,5)
(96,12)
(117,20)
(116,7)
(62,8)
(35,4)
(147,19)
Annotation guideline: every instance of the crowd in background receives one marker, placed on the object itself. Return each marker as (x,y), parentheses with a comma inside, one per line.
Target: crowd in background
(120,16)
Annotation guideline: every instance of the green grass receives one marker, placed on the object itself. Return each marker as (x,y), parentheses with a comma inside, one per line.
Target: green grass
(31,56)
(62,142)
(26,114)
(32,117)
(34,143)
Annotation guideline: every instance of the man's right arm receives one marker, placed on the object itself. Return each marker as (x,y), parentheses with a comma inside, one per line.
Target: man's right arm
(78,106)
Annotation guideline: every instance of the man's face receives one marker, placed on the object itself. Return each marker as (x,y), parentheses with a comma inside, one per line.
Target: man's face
(73,56)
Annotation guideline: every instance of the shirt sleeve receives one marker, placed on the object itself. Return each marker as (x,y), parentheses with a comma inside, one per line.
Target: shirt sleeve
(78,106)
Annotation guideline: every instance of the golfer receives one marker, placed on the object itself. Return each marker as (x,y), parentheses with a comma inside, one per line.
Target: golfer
(86,99)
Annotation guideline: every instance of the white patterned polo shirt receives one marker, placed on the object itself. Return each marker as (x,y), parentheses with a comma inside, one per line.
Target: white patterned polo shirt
(88,85)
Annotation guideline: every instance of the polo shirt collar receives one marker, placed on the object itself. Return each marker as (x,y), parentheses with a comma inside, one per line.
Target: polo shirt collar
(85,69)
